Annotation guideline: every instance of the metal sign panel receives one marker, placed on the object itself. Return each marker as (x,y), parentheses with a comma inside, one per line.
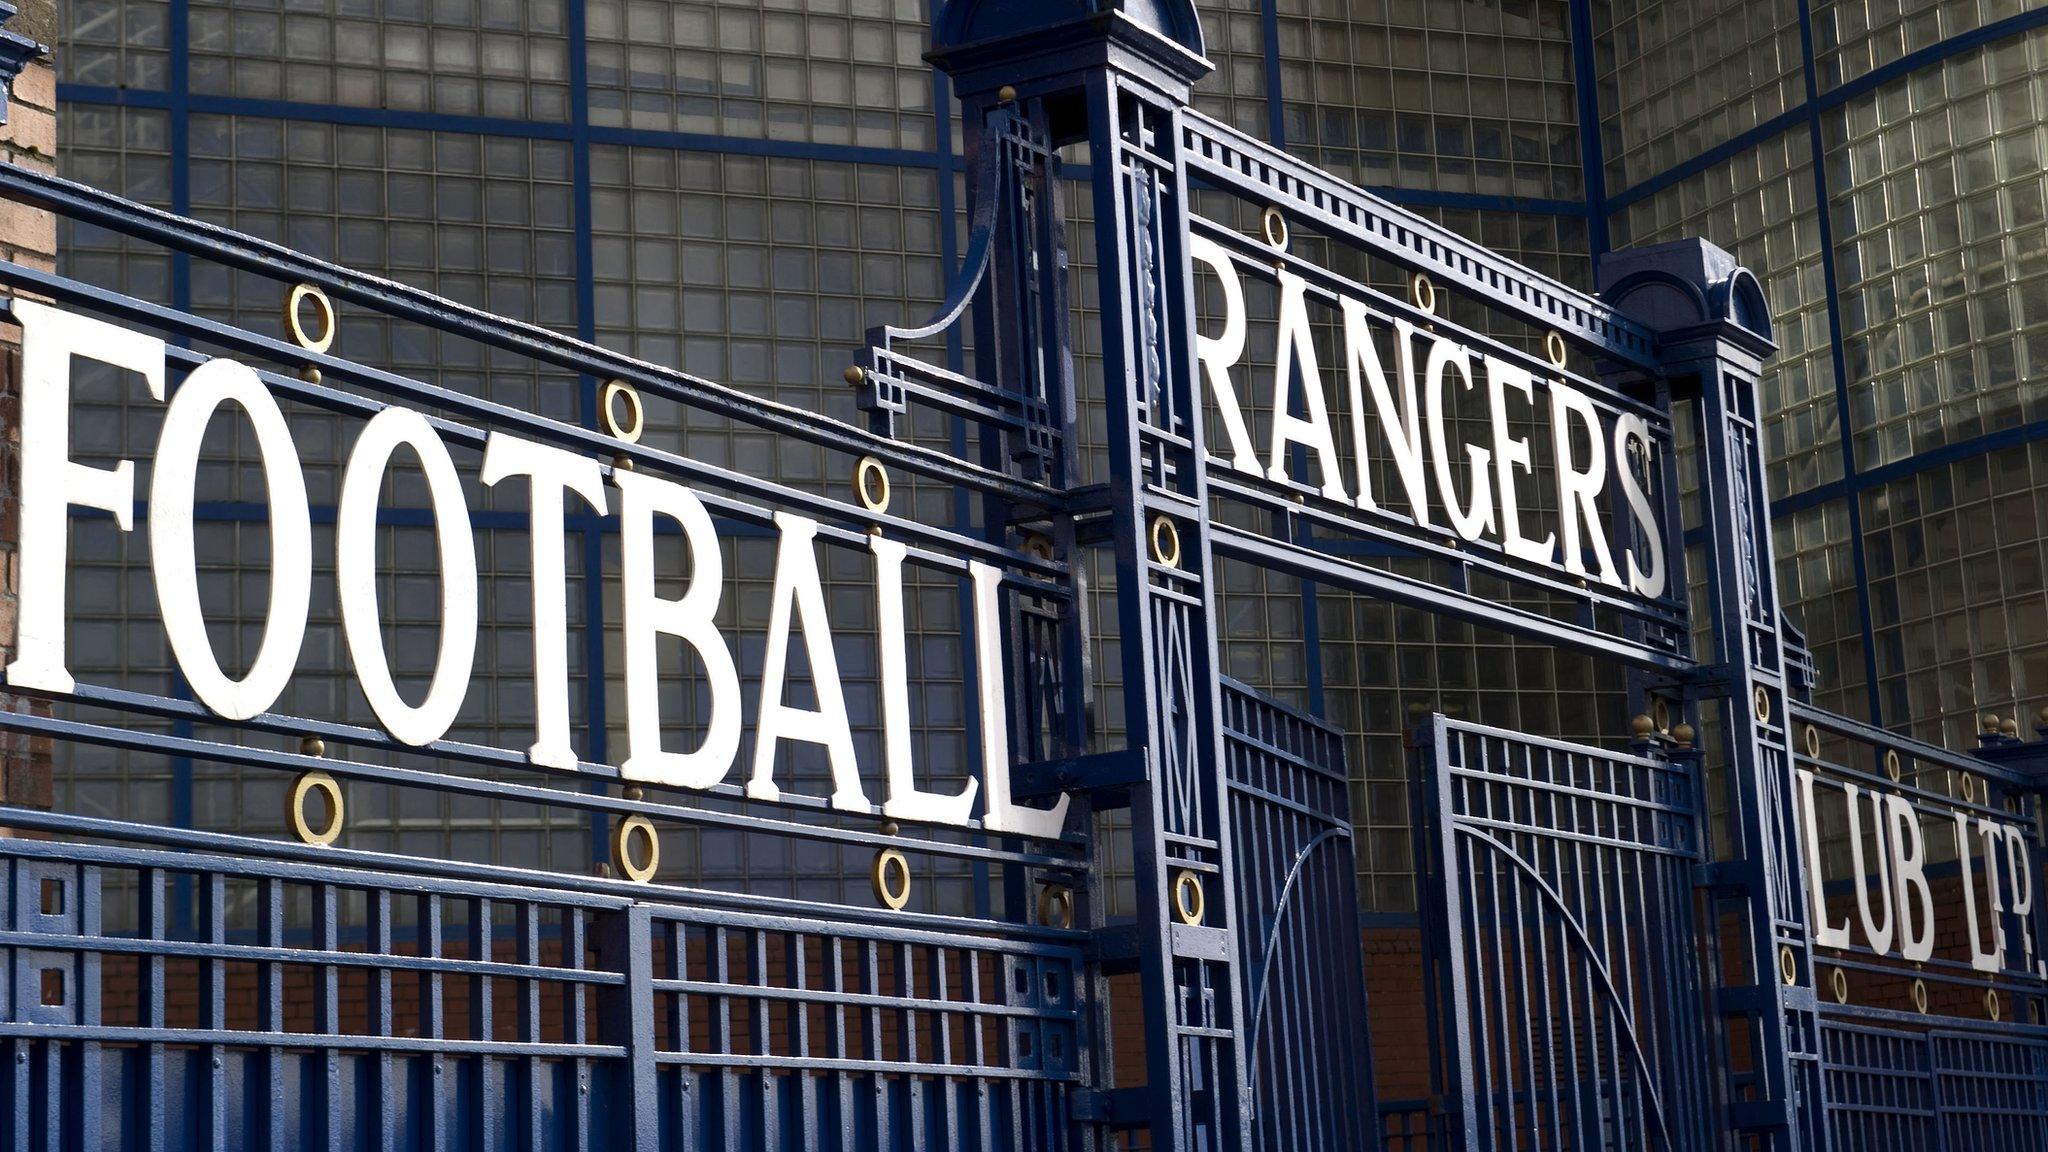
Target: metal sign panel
(1438,428)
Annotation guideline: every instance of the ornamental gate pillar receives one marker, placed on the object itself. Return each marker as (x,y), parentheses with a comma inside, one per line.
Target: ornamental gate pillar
(1116,76)
(1714,334)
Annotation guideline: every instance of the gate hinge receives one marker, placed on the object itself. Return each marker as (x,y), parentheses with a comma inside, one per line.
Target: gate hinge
(1114,947)
(1752,1115)
(1119,1106)
(1103,774)
(1727,877)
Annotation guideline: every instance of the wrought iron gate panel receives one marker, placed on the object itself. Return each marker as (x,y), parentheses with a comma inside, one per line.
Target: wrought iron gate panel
(1890,1089)
(1565,942)
(186,1000)
(1298,939)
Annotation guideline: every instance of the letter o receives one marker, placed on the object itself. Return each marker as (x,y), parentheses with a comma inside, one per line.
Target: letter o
(355,567)
(173,559)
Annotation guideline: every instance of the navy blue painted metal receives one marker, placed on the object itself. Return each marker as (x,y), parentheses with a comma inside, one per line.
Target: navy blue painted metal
(1298,938)
(330,996)
(1562,889)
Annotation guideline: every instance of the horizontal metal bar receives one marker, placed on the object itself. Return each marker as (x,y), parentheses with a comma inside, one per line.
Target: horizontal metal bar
(1308,564)
(1252,168)
(1328,286)
(839,998)
(1905,745)
(356,868)
(1634,803)
(1280,496)
(1951,973)
(1920,1026)
(288,725)
(259,954)
(936,545)
(316,1041)
(249,253)
(1474,728)
(837,1064)
(992,936)
(1470,825)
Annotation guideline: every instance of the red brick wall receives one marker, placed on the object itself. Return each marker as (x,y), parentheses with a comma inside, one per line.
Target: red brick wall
(27,236)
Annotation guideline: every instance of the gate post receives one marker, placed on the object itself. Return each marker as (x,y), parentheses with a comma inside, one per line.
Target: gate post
(1117,76)
(1714,334)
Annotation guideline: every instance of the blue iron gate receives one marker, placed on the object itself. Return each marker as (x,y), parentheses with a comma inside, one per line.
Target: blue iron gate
(1297,889)
(1567,952)
(173,985)
(340,1005)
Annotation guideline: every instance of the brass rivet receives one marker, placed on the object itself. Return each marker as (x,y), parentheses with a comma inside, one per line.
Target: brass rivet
(890,877)
(1422,292)
(891,828)
(310,374)
(1189,901)
(635,793)
(629,429)
(1920,996)
(295,808)
(871,484)
(1056,906)
(1553,347)
(1274,224)
(312,746)
(1166,541)
(1840,982)
(322,307)
(636,863)
(1788,965)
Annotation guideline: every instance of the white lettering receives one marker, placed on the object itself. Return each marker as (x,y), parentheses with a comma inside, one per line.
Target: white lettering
(1475,519)
(1510,453)
(51,485)
(797,586)
(1578,491)
(1218,355)
(171,550)
(355,574)
(1297,352)
(552,474)
(905,801)
(691,618)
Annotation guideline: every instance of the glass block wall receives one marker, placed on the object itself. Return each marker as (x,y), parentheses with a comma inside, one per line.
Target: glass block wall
(1881,170)
(741,187)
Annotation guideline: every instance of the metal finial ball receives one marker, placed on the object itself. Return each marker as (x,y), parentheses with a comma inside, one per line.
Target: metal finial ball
(1007,93)
(854,374)
(2042,716)
(1989,722)
(1682,734)
(1642,726)
(2010,726)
